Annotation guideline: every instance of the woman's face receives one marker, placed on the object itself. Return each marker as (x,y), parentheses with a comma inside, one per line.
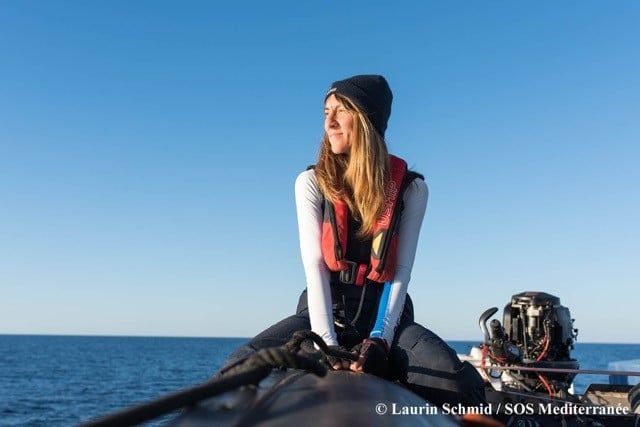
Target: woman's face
(338,124)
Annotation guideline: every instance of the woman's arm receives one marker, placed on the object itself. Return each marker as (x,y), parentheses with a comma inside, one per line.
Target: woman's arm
(309,209)
(415,205)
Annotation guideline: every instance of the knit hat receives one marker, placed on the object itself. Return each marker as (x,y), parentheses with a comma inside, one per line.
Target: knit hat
(371,93)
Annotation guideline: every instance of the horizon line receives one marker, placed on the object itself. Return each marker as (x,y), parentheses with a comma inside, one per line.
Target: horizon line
(236,337)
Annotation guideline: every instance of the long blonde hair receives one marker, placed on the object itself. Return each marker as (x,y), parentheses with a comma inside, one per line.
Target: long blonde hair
(358,178)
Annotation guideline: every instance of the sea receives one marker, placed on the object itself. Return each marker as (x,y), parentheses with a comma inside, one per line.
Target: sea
(49,380)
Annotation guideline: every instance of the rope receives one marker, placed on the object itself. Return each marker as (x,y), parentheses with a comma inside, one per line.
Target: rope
(250,371)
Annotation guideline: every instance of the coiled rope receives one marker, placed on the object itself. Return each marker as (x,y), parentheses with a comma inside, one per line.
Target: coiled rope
(294,355)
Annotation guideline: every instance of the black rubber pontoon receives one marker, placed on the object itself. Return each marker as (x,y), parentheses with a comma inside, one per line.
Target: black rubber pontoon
(296,397)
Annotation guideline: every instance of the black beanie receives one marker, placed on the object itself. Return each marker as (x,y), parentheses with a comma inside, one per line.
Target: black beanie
(371,93)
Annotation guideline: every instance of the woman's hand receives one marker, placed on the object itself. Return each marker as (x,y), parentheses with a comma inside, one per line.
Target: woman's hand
(341,365)
(358,365)
(336,363)
(372,357)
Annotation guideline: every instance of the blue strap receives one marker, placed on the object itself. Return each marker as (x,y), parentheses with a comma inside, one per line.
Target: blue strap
(382,311)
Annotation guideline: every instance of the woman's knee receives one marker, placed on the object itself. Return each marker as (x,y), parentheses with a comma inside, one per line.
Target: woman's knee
(422,347)
(432,369)
(274,336)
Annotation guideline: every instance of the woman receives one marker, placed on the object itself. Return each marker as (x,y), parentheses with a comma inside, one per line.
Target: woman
(359,217)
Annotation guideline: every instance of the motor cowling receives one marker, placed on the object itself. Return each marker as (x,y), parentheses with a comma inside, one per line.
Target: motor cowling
(539,326)
(537,332)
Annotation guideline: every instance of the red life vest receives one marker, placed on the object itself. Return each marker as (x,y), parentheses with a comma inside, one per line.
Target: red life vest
(384,244)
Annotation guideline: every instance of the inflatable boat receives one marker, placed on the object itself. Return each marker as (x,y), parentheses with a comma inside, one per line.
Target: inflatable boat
(525,360)
(301,398)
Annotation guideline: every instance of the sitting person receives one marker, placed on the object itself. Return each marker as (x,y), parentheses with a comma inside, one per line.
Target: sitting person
(359,216)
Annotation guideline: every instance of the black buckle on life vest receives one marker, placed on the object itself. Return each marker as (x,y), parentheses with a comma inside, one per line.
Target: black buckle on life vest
(355,274)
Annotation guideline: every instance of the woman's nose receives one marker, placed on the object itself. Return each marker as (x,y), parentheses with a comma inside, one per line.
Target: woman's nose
(330,120)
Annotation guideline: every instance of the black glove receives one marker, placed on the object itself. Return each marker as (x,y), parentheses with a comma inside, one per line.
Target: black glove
(376,356)
(333,360)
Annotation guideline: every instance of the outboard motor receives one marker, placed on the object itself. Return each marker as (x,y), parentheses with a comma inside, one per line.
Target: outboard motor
(537,333)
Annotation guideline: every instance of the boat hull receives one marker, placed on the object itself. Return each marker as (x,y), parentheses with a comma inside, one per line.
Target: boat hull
(296,397)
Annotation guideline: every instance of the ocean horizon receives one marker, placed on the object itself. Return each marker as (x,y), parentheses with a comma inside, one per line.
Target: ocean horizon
(61,380)
(247,338)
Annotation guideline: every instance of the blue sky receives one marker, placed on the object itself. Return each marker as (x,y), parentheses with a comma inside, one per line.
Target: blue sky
(148,152)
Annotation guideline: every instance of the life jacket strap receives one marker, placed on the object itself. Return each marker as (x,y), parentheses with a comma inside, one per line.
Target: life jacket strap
(354,274)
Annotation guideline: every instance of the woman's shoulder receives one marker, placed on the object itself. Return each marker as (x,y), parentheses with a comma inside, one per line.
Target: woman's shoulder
(306,183)
(415,186)
(412,175)
(307,176)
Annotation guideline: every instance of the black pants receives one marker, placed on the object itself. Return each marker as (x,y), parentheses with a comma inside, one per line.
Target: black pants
(418,357)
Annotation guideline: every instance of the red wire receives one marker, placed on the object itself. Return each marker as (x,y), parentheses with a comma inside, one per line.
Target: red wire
(547,341)
(546,384)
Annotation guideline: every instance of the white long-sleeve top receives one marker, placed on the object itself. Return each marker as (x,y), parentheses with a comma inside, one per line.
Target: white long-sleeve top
(309,206)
